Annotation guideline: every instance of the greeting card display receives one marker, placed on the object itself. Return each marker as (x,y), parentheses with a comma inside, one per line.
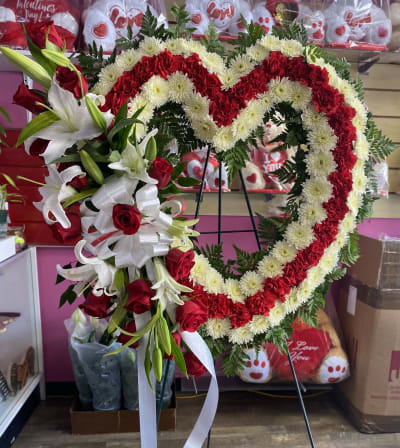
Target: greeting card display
(15,14)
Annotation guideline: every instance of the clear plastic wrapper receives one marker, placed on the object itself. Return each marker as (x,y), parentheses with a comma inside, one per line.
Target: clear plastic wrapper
(65,15)
(361,24)
(394,14)
(381,172)
(105,21)
(129,378)
(316,353)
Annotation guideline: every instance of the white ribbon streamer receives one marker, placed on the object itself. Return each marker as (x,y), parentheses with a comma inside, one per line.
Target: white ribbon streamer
(203,425)
(147,398)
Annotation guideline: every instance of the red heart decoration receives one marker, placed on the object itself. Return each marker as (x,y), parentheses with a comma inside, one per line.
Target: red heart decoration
(100,30)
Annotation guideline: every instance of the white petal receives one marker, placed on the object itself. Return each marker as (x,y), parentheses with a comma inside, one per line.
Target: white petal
(63,102)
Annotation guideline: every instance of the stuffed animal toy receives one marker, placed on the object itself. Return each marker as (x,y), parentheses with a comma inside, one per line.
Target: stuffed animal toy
(395,17)
(195,162)
(313,21)
(13,14)
(107,20)
(199,18)
(237,26)
(361,22)
(316,354)
(263,17)
(222,13)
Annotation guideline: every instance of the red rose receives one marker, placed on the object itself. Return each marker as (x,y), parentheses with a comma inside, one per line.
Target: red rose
(38,147)
(126,218)
(69,80)
(191,315)
(70,235)
(193,365)
(124,338)
(37,33)
(139,293)
(179,264)
(177,338)
(96,306)
(161,170)
(28,98)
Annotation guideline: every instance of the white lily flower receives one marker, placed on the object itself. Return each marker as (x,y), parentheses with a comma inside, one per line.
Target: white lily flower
(92,270)
(75,123)
(132,160)
(168,290)
(56,191)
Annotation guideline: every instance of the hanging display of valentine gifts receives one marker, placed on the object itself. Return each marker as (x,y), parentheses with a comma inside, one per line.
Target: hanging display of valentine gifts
(360,24)
(105,21)
(317,356)
(36,16)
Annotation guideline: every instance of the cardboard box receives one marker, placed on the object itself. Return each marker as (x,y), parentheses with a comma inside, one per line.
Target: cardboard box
(105,422)
(369,310)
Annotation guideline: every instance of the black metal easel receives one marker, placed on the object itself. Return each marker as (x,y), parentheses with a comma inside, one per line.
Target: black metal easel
(220,232)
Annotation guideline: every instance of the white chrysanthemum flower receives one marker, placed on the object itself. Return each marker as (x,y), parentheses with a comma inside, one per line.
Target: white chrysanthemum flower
(300,96)
(250,283)
(128,59)
(151,46)
(214,62)
(180,87)
(359,182)
(241,127)
(284,252)
(272,43)
(224,139)
(359,123)
(241,65)
(251,117)
(329,260)
(320,164)
(277,313)
(311,118)
(280,89)
(304,291)
(269,267)
(233,291)
(348,91)
(200,269)
(291,301)
(299,235)
(258,53)
(110,73)
(214,282)
(229,79)
(218,328)
(354,200)
(259,324)
(205,128)
(322,138)
(348,224)
(361,147)
(361,111)
(315,276)
(195,46)
(317,191)
(103,87)
(312,213)
(341,240)
(291,48)
(156,91)
(266,100)
(140,102)
(241,335)
(196,106)
(177,46)
(334,80)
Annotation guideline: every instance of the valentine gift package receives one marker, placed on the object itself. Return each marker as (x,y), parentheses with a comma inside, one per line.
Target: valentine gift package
(105,21)
(316,353)
(15,14)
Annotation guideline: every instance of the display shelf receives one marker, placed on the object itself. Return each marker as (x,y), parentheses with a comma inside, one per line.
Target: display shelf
(10,408)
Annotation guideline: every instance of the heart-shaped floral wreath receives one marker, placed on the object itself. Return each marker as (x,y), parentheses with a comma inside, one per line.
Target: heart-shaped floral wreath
(125,181)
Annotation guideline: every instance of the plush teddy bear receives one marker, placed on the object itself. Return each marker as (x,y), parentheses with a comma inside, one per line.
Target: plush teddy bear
(316,354)
(13,14)
(395,17)
(195,165)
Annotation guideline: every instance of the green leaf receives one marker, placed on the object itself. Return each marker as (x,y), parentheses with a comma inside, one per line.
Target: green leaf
(119,279)
(42,121)
(79,197)
(28,66)
(36,52)
(118,316)
(188,181)
(96,114)
(147,360)
(68,296)
(5,115)
(178,356)
(122,124)
(114,156)
(178,170)
(9,180)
